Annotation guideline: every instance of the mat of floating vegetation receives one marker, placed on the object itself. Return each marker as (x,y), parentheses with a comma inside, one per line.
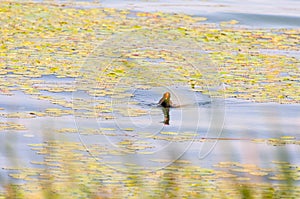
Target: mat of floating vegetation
(54,40)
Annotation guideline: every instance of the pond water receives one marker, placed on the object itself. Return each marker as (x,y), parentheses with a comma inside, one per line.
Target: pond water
(203,131)
(192,134)
(269,13)
(251,13)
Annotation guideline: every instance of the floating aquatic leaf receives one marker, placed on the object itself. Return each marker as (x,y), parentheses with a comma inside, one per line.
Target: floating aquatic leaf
(258,140)
(258,173)
(288,137)
(107,129)
(169,133)
(128,129)
(11,126)
(243,179)
(67,130)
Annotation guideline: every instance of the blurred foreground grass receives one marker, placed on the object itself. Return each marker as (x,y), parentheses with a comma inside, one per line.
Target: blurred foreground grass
(68,172)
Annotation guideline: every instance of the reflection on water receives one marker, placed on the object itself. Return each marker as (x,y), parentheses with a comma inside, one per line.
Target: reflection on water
(166,112)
